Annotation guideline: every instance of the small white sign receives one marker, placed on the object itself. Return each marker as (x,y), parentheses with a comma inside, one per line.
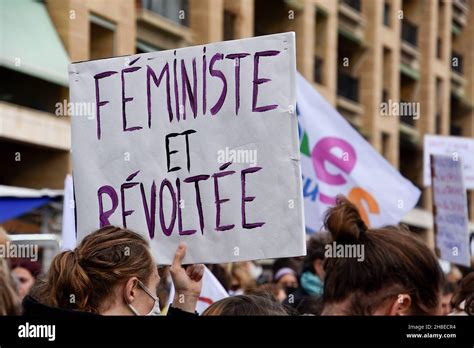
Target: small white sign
(450,210)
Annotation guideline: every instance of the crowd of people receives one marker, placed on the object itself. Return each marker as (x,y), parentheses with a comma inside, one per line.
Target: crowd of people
(112,272)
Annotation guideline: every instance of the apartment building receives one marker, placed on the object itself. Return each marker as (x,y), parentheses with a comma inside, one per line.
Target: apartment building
(357,53)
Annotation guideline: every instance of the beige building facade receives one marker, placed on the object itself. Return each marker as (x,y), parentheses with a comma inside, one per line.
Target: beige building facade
(359,54)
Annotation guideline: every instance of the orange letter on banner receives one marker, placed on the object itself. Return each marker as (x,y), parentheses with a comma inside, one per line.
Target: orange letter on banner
(359,195)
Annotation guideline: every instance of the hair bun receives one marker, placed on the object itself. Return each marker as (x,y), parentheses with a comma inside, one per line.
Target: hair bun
(344,222)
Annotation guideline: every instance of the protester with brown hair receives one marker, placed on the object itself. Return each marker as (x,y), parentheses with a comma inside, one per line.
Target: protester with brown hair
(398,275)
(274,291)
(463,299)
(242,305)
(311,281)
(112,272)
(241,278)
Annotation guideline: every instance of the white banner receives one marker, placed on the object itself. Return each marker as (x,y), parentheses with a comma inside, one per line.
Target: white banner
(336,159)
(457,148)
(197,144)
(68,233)
(212,291)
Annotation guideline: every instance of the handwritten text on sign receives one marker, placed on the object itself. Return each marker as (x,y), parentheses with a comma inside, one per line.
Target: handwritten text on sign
(172,150)
(450,205)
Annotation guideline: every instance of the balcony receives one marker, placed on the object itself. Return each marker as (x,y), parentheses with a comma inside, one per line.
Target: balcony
(458,81)
(460,14)
(26,125)
(351,22)
(354,4)
(170,9)
(409,121)
(409,50)
(160,27)
(348,86)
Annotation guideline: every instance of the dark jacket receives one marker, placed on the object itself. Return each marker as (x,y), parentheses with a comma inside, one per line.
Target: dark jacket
(33,308)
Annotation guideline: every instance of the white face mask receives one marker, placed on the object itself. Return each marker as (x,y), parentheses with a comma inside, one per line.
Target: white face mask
(156,305)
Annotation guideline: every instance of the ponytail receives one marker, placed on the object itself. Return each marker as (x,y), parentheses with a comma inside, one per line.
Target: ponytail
(84,278)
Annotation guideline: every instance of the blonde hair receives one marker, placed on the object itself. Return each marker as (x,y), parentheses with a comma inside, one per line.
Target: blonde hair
(9,300)
(3,236)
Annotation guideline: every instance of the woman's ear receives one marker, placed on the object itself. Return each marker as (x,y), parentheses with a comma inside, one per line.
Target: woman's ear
(129,290)
(401,306)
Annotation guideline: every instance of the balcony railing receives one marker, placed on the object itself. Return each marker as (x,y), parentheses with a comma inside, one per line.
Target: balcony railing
(355,4)
(348,86)
(457,63)
(410,33)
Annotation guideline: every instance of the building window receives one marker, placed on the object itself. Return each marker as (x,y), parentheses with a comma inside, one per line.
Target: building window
(348,86)
(318,70)
(410,33)
(355,4)
(229,25)
(385,145)
(455,130)
(102,37)
(386,14)
(385,95)
(408,120)
(174,10)
(457,62)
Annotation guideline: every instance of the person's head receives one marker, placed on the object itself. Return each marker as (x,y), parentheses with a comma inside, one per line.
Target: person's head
(9,300)
(446,297)
(241,276)
(245,305)
(111,272)
(463,299)
(313,261)
(312,305)
(286,278)
(222,275)
(398,274)
(26,272)
(286,262)
(274,291)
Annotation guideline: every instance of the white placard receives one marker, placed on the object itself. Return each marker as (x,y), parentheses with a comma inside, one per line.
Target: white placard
(198,144)
(450,210)
(456,147)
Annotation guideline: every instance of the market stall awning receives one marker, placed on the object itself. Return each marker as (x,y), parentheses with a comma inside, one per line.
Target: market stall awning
(16,201)
(29,42)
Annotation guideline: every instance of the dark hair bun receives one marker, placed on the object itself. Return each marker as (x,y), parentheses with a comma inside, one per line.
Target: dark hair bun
(344,222)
